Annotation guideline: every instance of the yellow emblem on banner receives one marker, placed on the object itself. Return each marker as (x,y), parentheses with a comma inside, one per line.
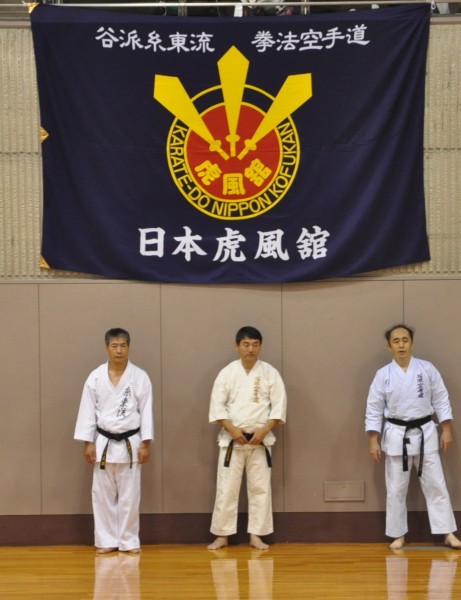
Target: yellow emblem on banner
(237,156)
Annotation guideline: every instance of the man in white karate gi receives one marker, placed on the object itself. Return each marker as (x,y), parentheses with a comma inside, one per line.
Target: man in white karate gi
(115,421)
(405,395)
(248,400)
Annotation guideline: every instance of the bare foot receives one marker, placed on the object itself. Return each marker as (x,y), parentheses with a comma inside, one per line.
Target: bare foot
(105,550)
(398,543)
(452,541)
(256,542)
(220,542)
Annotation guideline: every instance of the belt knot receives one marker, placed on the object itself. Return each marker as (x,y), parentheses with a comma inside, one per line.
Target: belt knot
(118,437)
(413,424)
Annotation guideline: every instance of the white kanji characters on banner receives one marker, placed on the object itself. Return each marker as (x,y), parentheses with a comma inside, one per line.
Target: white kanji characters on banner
(187,244)
(156,241)
(309,244)
(312,244)
(229,246)
(270,245)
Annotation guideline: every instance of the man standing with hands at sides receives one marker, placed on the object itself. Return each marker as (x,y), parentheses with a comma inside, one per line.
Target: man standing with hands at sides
(248,400)
(115,421)
(406,393)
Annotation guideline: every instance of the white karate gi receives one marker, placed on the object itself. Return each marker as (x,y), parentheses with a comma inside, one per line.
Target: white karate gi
(407,396)
(249,400)
(116,490)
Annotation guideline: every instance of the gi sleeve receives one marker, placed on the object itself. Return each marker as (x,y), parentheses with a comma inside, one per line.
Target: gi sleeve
(85,428)
(145,404)
(218,400)
(439,397)
(278,409)
(375,405)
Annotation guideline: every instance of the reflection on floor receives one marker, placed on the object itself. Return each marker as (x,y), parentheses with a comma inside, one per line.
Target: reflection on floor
(182,572)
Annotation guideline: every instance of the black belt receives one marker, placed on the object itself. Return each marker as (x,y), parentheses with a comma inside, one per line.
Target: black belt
(248,436)
(415,424)
(118,437)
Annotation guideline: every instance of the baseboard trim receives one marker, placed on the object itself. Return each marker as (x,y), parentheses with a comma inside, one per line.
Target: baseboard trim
(339,527)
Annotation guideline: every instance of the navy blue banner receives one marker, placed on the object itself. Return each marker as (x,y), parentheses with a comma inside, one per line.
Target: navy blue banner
(232,150)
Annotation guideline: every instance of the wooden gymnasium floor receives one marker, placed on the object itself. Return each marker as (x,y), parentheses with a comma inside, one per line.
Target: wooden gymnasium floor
(285,571)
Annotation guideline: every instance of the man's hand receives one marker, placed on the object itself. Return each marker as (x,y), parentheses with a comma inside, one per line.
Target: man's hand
(235,432)
(144,452)
(89,453)
(375,448)
(260,434)
(238,435)
(446,438)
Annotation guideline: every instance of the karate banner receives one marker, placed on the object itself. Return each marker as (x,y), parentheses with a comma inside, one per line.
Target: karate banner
(232,150)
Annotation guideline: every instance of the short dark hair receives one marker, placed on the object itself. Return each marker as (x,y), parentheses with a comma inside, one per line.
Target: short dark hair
(116,332)
(388,333)
(248,332)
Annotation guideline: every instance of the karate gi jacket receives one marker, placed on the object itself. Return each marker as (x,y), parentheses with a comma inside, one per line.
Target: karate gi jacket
(407,396)
(248,400)
(127,406)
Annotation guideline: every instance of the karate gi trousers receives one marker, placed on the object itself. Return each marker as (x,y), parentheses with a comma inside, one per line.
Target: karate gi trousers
(116,495)
(229,479)
(433,486)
